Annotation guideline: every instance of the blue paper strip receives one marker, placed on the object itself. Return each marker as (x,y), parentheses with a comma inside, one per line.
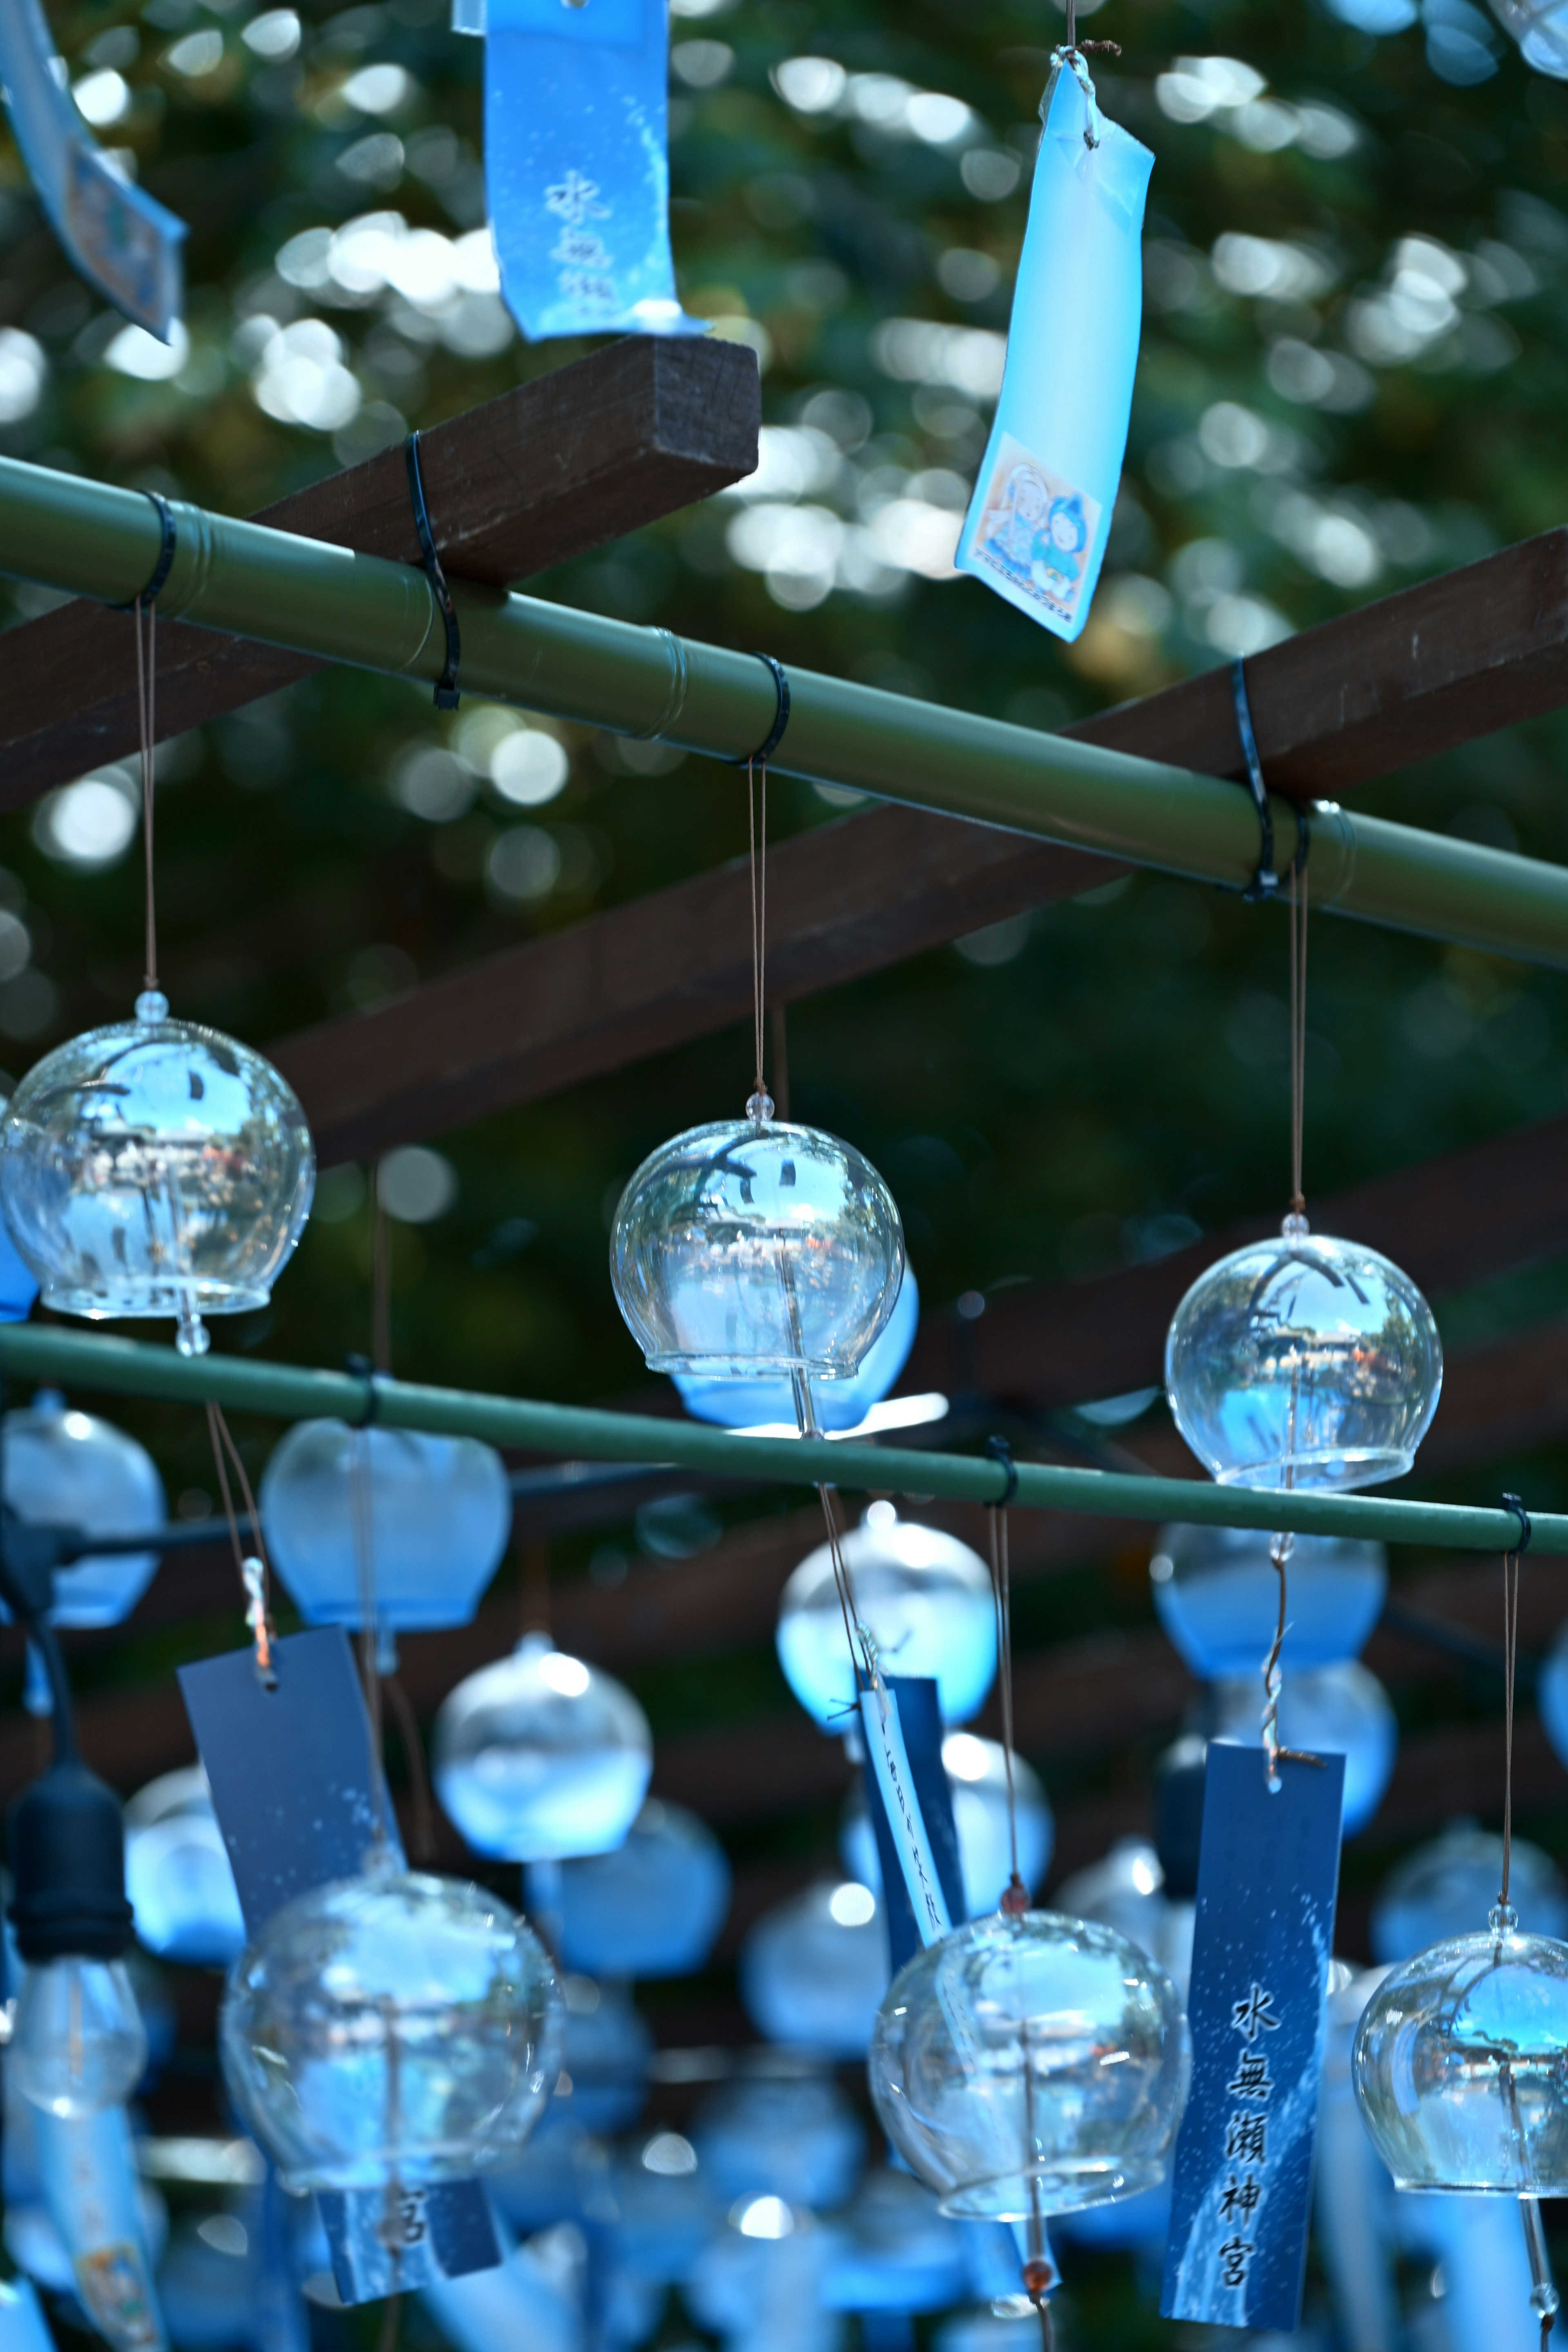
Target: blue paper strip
(1268,1877)
(123,243)
(577,165)
(291,1777)
(920,1721)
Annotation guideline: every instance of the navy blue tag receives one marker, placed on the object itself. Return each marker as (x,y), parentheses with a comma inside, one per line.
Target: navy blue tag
(291,1777)
(921,1723)
(1268,1876)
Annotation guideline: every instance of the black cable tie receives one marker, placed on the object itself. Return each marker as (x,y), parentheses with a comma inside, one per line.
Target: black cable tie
(1511,1502)
(1265,882)
(1001,1451)
(361,1369)
(775,736)
(165,563)
(447,695)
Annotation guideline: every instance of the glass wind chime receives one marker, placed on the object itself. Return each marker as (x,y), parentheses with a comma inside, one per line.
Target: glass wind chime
(1460,2058)
(1307,1364)
(760,1249)
(156,1167)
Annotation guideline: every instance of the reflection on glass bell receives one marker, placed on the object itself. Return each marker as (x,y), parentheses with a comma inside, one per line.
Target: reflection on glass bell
(977,1775)
(69,1469)
(541,1757)
(1340,1710)
(1540,28)
(751,1246)
(1461,2064)
(839,1404)
(177,1873)
(790,2135)
(437,1511)
(651,1908)
(1218,1597)
(155,1168)
(813,1970)
(1127,1891)
(1304,1362)
(1435,1892)
(927,1600)
(394,2028)
(989,2066)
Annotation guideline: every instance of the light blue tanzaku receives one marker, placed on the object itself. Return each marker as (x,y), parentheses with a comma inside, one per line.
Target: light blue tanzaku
(578,163)
(1040,516)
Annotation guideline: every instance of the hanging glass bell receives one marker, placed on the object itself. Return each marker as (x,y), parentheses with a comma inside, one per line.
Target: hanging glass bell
(893,2250)
(1540,28)
(977,1775)
(813,1970)
(541,1756)
(1433,1894)
(178,1875)
(424,1520)
(1340,1710)
(155,1168)
(794,2135)
(1303,1362)
(651,1908)
(1461,2064)
(1126,1890)
(606,2050)
(64,1468)
(394,2029)
(839,1404)
(926,1599)
(1031,2064)
(754,1247)
(1217,1596)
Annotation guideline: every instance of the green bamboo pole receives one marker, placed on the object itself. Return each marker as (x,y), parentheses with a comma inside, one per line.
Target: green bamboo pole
(80,1359)
(90,539)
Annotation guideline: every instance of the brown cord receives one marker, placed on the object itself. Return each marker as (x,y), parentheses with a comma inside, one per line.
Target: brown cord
(146,685)
(380,1277)
(255,1571)
(1298,1034)
(757,826)
(1509,1652)
(1016,1898)
(422,1812)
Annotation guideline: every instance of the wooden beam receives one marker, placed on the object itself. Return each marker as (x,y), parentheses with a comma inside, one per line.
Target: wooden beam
(1450,1221)
(551,469)
(1333,709)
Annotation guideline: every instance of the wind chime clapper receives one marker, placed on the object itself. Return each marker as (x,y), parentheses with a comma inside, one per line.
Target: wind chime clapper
(1457,2061)
(156,1167)
(1307,1363)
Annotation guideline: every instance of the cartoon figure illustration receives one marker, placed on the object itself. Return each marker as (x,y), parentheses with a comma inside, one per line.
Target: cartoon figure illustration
(1012,534)
(1063,540)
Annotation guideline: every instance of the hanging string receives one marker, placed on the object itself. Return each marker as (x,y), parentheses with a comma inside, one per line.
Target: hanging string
(1001,1593)
(146,687)
(760,1106)
(380,1277)
(255,1572)
(1510,1655)
(1298,1034)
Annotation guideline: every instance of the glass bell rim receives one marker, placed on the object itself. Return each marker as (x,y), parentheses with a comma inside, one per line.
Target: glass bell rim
(1373,1464)
(157,1300)
(1098,2183)
(757,1368)
(1557,2186)
(426,2169)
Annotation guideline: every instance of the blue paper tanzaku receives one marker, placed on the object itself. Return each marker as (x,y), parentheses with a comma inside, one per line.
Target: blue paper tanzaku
(578,163)
(1268,1877)
(124,245)
(1040,516)
(898,1813)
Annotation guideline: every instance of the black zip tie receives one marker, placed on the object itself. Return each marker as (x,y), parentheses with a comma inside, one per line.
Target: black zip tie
(775,737)
(1511,1502)
(360,1367)
(1002,1453)
(166,562)
(1265,882)
(447,695)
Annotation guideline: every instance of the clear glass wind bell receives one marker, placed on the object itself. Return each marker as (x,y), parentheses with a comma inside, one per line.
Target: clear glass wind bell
(1303,1362)
(755,1248)
(925,1598)
(1460,2061)
(1540,28)
(156,1167)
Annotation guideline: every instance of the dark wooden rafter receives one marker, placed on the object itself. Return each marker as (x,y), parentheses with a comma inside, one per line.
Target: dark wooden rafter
(1334,709)
(551,469)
